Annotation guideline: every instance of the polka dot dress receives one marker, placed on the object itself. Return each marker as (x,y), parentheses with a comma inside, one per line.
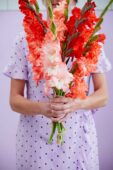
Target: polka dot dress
(80,148)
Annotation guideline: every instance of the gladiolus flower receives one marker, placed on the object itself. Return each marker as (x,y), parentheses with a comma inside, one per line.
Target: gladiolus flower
(32,1)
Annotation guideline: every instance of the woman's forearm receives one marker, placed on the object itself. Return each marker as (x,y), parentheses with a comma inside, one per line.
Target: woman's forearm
(25,106)
(96,100)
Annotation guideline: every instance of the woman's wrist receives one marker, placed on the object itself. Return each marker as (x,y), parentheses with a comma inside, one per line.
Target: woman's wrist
(38,108)
(84,103)
(81,104)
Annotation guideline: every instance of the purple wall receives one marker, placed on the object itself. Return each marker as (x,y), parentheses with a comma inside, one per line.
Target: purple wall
(10,25)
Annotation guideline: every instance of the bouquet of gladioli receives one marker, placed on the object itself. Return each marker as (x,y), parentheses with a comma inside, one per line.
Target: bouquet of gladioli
(60,38)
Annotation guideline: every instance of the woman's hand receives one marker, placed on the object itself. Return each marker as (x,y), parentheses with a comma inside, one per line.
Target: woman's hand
(62,107)
(46,109)
(97,99)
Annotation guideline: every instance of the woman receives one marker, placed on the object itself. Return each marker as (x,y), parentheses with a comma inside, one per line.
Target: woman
(80,148)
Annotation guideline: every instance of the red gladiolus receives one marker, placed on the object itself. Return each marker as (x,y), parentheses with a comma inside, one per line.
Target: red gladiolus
(34,35)
(101,38)
(81,25)
(32,1)
(78,89)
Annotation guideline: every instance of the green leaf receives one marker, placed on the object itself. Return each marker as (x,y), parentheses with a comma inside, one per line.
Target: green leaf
(50,13)
(53,28)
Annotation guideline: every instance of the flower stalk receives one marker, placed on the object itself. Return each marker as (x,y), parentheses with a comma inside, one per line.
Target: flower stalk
(56,125)
(98,25)
(51,16)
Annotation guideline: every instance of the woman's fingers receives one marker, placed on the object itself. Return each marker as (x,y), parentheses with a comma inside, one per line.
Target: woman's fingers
(63,107)
(59,113)
(61,99)
(60,110)
(60,119)
(60,107)
(57,119)
(65,117)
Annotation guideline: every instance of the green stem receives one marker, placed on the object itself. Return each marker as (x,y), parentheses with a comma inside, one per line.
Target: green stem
(67,10)
(97,26)
(51,16)
(57,125)
(37,7)
(60,133)
(53,131)
(106,8)
(50,10)
(63,129)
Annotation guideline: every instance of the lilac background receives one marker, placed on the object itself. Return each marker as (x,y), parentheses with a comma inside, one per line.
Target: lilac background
(10,25)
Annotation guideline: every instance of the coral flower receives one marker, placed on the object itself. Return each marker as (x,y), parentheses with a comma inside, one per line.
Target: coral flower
(32,1)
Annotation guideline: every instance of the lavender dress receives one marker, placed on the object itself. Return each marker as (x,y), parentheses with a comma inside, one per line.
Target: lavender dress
(80,148)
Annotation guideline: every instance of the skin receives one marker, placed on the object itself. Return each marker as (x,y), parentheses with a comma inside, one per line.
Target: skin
(58,109)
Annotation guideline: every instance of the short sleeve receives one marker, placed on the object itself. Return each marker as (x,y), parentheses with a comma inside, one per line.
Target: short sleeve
(17,67)
(103,64)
